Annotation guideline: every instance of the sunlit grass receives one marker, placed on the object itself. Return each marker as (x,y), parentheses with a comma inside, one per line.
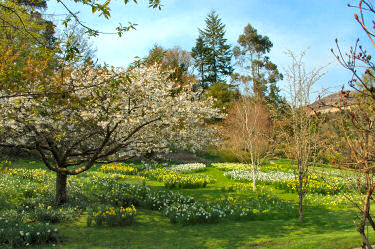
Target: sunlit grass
(322,227)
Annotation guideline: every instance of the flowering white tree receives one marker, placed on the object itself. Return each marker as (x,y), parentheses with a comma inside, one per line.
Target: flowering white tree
(91,115)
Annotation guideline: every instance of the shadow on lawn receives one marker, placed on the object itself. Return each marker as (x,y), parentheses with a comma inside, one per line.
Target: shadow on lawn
(153,230)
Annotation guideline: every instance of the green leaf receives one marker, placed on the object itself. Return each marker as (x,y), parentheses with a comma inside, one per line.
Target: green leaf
(94,8)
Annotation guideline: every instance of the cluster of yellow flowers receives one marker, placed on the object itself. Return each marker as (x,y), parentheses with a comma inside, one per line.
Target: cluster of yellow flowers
(276,167)
(172,179)
(315,186)
(119,168)
(112,211)
(247,211)
(38,175)
(328,201)
(228,199)
(185,181)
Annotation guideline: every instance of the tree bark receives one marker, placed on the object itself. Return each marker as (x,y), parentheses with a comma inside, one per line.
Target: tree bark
(300,198)
(366,213)
(61,183)
(254,179)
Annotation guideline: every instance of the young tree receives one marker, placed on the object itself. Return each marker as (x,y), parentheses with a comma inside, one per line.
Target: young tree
(248,133)
(256,66)
(359,110)
(102,115)
(212,53)
(303,139)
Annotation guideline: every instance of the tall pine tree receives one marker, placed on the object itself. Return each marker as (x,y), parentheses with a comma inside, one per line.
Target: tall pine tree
(211,53)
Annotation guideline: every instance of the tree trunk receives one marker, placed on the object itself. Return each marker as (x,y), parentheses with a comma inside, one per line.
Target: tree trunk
(300,208)
(370,220)
(366,213)
(254,179)
(300,198)
(61,182)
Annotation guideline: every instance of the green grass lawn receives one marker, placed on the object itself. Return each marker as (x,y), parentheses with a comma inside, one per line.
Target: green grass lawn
(322,227)
(152,230)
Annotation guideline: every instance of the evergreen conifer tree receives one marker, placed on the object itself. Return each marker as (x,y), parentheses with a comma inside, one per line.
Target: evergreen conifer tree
(212,54)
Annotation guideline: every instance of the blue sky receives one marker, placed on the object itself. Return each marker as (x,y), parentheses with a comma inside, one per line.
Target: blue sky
(290,24)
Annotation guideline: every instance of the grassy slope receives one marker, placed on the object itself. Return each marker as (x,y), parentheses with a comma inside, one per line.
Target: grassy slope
(322,228)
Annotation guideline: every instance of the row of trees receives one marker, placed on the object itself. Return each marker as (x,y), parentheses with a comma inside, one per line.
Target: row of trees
(251,131)
(212,61)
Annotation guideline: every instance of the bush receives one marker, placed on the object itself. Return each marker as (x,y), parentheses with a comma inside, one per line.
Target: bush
(225,155)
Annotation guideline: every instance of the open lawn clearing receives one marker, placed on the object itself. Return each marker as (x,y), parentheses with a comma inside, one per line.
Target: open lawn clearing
(324,227)
(153,230)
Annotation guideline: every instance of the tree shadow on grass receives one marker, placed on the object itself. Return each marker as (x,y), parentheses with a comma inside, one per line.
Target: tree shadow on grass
(153,230)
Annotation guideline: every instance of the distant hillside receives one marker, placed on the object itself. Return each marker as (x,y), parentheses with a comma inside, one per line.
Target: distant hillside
(331,102)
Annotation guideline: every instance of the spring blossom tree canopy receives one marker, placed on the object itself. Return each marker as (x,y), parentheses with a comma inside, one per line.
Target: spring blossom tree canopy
(103,114)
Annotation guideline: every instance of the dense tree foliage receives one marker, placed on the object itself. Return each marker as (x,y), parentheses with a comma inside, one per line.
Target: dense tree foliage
(212,54)
(251,56)
(175,61)
(103,115)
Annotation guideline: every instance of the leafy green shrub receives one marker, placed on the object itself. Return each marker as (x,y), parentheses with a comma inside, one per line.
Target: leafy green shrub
(226,155)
